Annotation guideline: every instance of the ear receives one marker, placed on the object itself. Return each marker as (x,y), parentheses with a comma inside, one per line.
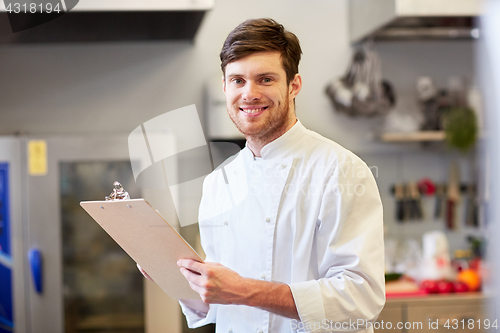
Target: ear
(223,84)
(295,86)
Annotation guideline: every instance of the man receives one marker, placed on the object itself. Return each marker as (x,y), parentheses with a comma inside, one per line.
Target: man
(292,228)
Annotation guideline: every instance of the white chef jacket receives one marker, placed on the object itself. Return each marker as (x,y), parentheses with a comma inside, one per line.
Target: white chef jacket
(308,214)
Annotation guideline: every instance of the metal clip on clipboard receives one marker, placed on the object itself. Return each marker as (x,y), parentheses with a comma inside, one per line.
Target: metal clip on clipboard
(118,193)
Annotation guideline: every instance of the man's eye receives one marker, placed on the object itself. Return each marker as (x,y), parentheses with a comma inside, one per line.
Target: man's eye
(238,81)
(266,80)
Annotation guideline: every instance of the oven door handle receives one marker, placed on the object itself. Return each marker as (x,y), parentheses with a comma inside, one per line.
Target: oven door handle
(36,265)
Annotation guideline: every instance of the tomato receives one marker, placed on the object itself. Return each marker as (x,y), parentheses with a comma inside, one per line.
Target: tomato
(430,286)
(444,287)
(460,287)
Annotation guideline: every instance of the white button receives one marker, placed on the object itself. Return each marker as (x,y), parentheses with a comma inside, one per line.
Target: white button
(260,331)
(225,222)
(263,276)
(268,219)
(283,166)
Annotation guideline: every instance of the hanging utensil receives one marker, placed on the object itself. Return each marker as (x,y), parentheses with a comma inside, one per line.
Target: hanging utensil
(416,204)
(408,206)
(440,197)
(362,91)
(471,211)
(453,195)
(400,202)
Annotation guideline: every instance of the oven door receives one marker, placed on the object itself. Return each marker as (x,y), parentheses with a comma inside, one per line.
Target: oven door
(12,293)
(77,279)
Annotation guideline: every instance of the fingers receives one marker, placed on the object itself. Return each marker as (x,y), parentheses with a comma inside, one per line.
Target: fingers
(193,277)
(197,288)
(143,272)
(203,292)
(192,265)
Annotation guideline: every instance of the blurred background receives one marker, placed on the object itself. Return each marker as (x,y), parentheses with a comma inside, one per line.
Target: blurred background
(410,86)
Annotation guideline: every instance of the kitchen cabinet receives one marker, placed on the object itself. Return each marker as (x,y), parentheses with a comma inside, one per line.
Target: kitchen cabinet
(415,314)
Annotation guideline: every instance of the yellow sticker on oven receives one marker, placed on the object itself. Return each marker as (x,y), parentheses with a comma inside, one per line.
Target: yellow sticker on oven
(37,157)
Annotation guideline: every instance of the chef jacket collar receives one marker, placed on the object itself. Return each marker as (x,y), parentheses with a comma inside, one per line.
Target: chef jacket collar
(282,145)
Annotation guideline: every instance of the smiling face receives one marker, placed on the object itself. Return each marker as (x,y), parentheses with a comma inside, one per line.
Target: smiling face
(259,100)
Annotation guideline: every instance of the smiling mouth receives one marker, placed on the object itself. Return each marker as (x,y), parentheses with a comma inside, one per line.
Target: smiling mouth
(256,110)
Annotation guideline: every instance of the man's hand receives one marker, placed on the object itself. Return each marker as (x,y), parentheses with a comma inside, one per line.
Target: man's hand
(214,282)
(218,284)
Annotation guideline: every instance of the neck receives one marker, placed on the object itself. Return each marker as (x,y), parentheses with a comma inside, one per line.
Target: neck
(255,143)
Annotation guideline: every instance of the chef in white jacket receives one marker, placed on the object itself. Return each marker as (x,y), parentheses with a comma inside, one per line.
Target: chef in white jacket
(292,226)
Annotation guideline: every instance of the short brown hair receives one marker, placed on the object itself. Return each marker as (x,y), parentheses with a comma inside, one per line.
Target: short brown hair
(260,35)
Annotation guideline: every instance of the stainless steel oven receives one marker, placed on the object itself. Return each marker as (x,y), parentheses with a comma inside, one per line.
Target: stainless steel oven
(59,271)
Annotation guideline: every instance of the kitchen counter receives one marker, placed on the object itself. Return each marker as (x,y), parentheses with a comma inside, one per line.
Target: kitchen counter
(444,312)
(440,297)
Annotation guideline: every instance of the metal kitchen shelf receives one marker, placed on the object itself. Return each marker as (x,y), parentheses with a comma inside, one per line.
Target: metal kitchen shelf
(423,136)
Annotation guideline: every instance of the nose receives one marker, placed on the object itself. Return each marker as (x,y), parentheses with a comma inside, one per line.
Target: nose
(251,92)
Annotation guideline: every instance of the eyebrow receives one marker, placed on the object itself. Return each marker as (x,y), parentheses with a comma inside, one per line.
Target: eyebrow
(269,73)
(258,75)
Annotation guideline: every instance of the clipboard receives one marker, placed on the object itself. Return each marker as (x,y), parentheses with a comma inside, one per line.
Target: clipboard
(148,239)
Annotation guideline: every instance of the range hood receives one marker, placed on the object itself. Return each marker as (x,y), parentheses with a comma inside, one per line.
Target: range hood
(413,19)
(102,21)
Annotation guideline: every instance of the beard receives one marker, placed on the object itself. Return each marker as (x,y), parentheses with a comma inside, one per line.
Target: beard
(271,127)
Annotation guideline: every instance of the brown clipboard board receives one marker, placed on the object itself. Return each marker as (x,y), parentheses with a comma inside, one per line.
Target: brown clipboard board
(148,239)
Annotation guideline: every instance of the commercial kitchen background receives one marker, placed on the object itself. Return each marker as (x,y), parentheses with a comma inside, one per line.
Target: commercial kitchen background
(106,88)
(94,89)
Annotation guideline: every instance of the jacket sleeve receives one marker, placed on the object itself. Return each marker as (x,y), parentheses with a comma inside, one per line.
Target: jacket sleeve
(197,319)
(350,292)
